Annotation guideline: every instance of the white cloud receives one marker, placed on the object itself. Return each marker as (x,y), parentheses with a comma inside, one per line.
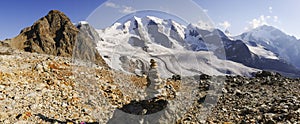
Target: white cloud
(122,9)
(246,28)
(262,20)
(270,9)
(275,18)
(205,10)
(225,25)
(127,9)
(112,5)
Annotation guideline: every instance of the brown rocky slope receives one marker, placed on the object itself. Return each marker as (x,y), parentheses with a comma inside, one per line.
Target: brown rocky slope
(39,88)
(53,34)
(56,35)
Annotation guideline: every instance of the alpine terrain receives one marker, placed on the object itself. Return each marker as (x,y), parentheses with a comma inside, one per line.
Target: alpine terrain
(147,70)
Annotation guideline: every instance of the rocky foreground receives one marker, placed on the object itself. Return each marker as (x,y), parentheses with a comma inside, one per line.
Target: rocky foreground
(39,88)
(265,98)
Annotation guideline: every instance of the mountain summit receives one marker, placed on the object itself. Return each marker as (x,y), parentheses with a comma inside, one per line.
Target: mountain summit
(152,37)
(56,35)
(53,34)
(178,49)
(274,41)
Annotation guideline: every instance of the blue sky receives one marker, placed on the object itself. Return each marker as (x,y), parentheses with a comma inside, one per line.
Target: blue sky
(241,14)
(18,14)
(236,16)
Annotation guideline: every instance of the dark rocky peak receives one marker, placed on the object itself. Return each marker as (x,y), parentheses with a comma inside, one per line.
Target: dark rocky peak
(193,33)
(136,24)
(53,34)
(55,22)
(173,28)
(151,22)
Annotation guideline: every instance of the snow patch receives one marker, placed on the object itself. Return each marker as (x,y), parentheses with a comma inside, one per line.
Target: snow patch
(261,52)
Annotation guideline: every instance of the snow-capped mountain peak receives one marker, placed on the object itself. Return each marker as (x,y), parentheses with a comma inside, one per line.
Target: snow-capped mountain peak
(264,32)
(274,41)
(140,39)
(155,19)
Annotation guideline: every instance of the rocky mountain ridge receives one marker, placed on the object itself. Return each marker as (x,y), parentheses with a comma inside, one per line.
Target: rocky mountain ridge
(155,35)
(53,34)
(269,38)
(178,49)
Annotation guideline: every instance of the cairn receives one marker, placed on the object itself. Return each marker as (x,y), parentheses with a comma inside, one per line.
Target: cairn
(153,78)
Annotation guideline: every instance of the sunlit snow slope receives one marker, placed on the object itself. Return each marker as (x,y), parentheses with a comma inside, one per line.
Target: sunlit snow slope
(178,49)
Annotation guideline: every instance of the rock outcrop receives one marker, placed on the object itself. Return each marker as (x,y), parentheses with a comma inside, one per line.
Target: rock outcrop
(53,34)
(44,89)
(268,98)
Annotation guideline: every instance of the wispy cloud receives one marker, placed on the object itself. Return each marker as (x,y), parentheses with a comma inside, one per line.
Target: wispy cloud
(127,9)
(261,20)
(112,5)
(275,18)
(225,25)
(270,9)
(205,10)
(122,9)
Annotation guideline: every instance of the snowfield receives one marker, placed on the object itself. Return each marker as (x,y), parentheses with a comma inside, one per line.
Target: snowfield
(129,47)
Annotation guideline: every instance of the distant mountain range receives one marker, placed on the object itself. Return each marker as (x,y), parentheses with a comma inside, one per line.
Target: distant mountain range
(262,48)
(179,49)
(184,50)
